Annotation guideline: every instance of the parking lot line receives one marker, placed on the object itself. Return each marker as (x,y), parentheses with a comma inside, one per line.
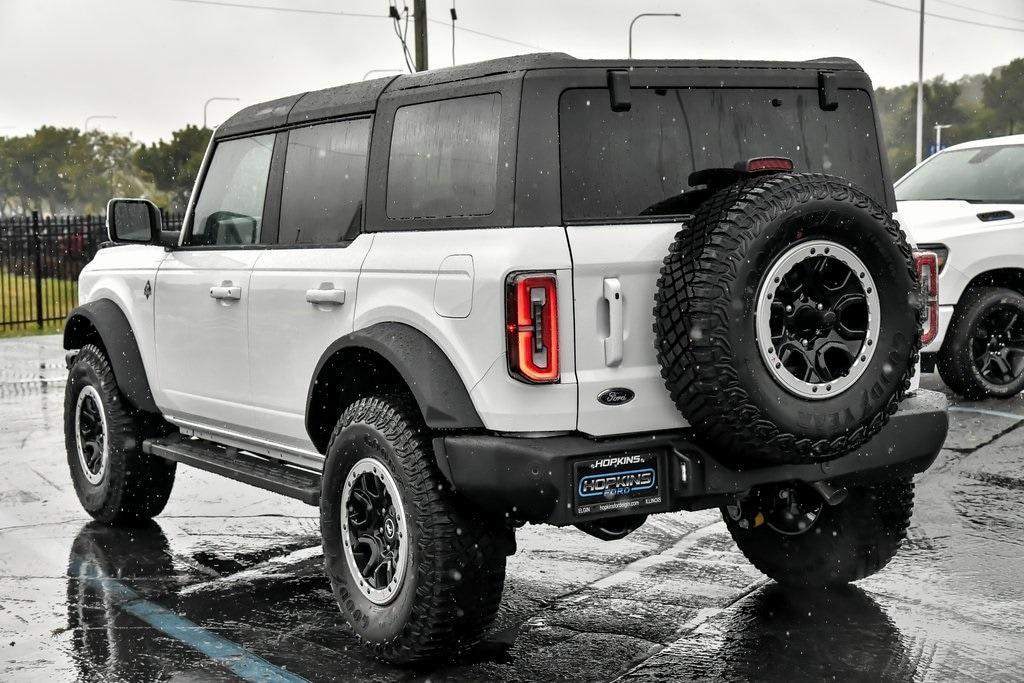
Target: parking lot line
(985,411)
(234,657)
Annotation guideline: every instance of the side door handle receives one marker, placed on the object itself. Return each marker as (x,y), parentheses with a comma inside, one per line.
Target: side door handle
(613,342)
(226,290)
(326,294)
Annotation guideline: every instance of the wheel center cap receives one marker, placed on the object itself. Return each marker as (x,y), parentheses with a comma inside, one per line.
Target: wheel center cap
(389,528)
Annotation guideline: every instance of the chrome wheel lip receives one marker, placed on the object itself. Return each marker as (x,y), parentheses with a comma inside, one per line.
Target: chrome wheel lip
(782,265)
(374,467)
(94,475)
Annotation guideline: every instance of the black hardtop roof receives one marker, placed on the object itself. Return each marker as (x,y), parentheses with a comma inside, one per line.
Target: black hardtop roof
(361,97)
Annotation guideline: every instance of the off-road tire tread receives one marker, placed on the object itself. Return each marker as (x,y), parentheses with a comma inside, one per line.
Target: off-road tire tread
(692,294)
(461,573)
(851,541)
(140,484)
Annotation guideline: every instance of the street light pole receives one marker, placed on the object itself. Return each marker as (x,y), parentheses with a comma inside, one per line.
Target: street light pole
(94,117)
(381,71)
(215,99)
(920,87)
(938,135)
(647,14)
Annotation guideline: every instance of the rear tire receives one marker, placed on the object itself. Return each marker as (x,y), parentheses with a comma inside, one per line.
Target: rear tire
(976,316)
(847,542)
(444,562)
(115,481)
(783,269)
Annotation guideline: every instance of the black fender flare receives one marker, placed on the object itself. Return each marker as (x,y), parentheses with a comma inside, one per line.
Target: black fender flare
(435,384)
(115,333)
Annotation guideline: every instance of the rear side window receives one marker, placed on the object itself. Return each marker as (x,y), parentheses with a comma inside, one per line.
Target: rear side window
(444,158)
(324,183)
(619,165)
(229,210)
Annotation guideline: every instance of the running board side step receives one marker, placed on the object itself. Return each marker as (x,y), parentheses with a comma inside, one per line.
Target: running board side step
(255,470)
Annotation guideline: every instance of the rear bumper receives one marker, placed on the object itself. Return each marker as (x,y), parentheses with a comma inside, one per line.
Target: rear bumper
(531,479)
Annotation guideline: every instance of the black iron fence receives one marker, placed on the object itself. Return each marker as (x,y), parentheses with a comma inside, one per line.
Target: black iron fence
(40,259)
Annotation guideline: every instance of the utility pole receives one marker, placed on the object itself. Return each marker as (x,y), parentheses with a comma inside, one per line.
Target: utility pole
(938,135)
(920,88)
(419,11)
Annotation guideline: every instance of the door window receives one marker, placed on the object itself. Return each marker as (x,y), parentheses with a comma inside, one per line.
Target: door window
(324,183)
(444,158)
(229,210)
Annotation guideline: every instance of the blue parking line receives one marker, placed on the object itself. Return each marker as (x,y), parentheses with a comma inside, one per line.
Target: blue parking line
(985,411)
(230,655)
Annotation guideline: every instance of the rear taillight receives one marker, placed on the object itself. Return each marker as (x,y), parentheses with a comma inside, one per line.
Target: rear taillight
(531,327)
(927,264)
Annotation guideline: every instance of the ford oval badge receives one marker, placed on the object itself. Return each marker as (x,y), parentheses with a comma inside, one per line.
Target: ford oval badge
(615,396)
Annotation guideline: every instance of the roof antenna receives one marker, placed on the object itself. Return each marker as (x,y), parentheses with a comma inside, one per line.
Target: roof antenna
(455,16)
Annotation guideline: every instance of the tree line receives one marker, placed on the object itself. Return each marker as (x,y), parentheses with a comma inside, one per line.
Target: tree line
(62,171)
(65,171)
(975,107)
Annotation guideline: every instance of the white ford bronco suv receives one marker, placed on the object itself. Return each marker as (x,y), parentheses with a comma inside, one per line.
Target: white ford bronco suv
(532,290)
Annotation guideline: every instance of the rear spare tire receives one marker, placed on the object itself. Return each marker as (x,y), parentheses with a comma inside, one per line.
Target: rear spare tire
(786,321)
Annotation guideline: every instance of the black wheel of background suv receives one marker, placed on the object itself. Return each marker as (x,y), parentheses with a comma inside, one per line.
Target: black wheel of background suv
(115,481)
(983,351)
(785,321)
(416,573)
(791,535)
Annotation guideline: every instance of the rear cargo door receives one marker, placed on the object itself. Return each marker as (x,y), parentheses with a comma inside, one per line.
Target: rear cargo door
(625,194)
(615,268)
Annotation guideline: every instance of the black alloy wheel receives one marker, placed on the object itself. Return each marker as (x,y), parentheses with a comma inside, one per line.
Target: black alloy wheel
(997,345)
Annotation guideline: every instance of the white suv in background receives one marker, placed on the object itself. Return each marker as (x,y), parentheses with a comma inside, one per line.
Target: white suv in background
(966,204)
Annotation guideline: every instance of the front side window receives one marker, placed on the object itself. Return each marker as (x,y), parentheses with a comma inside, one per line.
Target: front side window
(324,183)
(636,163)
(444,158)
(992,174)
(229,210)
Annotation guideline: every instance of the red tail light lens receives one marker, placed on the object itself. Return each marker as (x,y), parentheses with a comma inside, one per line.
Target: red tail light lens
(927,264)
(531,327)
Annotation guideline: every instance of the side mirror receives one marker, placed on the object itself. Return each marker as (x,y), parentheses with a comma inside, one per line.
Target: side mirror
(133,221)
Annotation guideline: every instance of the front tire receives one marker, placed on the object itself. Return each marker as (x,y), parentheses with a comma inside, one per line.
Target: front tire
(417,573)
(804,543)
(115,481)
(983,352)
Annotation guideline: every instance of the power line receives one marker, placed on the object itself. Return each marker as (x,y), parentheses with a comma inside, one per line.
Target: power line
(488,35)
(979,11)
(946,17)
(272,8)
(340,13)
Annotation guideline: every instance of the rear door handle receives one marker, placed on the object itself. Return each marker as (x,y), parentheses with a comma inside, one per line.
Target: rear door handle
(226,291)
(326,294)
(613,342)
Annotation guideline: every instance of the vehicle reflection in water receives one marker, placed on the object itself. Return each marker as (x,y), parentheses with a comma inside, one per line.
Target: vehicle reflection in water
(108,642)
(786,634)
(774,634)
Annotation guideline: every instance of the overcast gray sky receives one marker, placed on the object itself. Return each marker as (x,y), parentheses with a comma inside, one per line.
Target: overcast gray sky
(152,63)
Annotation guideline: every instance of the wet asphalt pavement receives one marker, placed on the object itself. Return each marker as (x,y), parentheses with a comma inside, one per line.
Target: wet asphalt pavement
(227,582)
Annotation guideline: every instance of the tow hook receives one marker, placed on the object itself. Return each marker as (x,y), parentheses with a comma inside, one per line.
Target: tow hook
(830,494)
